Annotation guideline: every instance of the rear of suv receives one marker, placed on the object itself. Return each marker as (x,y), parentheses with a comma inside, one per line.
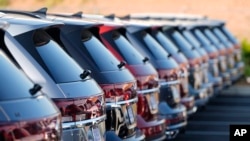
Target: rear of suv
(20,101)
(184,34)
(231,44)
(195,64)
(222,60)
(199,41)
(186,98)
(80,39)
(168,70)
(78,97)
(112,35)
(177,19)
(213,53)
(196,87)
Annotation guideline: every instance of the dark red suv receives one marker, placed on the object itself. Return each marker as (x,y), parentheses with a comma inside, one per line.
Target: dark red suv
(112,35)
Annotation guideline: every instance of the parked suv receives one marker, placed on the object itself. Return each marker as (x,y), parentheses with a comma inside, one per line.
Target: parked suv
(233,61)
(169,74)
(26,112)
(195,64)
(186,98)
(119,85)
(210,42)
(182,18)
(200,92)
(112,35)
(78,96)
(230,43)
(184,35)
(200,42)
(78,38)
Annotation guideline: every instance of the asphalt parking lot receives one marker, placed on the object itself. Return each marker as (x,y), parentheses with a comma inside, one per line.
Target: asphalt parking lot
(212,123)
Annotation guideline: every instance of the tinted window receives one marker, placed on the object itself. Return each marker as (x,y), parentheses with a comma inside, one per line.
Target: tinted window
(205,41)
(103,58)
(13,83)
(211,36)
(181,41)
(220,34)
(130,54)
(166,43)
(191,39)
(201,37)
(230,35)
(154,47)
(61,67)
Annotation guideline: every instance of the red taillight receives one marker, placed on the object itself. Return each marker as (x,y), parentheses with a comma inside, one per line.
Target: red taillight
(194,62)
(223,52)
(213,55)
(147,82)
(169,75)
(81,108)
(143,108)
(44,129)
(237,46)
(153,130)
(148,96)
(230,50)
(119,92)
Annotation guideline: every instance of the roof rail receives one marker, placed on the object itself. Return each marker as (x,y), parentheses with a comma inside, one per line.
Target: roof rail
(34,14)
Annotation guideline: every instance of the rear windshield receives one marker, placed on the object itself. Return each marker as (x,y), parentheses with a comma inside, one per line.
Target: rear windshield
(192,40)
(61,66)
(154,47)
(166,43)
(129,53)
(13,83)
(181,41)
(230,35)
(211,36)
(220,35)
(208,46)
(201,37)
(102,57)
